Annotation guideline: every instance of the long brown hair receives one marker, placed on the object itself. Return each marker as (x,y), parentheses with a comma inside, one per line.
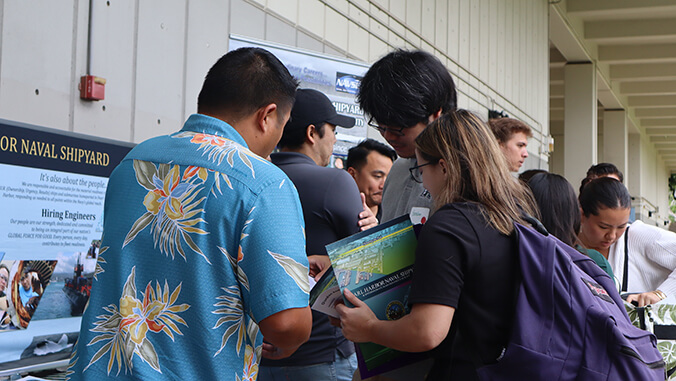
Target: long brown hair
(477,169)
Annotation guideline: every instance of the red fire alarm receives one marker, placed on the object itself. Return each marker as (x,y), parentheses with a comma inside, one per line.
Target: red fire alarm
(92,88)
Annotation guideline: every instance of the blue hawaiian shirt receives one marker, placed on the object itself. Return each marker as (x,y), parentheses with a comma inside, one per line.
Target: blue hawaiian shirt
(202,240)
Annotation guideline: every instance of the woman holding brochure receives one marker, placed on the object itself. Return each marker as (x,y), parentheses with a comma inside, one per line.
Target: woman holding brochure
(464,282)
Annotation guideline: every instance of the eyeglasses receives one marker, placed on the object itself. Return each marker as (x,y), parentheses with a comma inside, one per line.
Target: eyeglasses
(415,171)
(383,130)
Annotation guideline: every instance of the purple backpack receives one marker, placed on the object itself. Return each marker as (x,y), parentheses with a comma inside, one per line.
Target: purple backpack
(569,322)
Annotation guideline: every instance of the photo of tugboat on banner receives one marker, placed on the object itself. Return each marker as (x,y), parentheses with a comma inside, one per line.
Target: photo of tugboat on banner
(78,287)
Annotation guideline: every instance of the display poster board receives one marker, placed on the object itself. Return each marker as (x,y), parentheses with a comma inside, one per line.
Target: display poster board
(338,78)
(51,196)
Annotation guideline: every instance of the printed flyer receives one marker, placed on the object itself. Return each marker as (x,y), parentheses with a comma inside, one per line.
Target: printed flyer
(377,266)
(325,294)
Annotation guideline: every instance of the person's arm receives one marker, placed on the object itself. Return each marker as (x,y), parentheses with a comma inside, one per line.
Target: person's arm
(343,205)
(423,329)
(659,247)
(285,331)
(272,268)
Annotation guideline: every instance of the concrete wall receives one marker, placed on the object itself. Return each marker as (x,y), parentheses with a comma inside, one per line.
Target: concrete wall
(154,54)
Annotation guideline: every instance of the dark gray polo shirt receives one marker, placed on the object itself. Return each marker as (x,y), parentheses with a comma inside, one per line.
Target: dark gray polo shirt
(331,206)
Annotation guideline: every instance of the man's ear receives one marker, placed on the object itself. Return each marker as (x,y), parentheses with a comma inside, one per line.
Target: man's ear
(311,134)
(435,116)
(352,172)
(264,117)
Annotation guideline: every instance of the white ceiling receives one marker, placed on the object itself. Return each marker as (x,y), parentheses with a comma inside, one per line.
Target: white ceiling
(633,43)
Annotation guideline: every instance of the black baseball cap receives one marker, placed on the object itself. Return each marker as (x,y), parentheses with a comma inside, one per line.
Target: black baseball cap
(313,107)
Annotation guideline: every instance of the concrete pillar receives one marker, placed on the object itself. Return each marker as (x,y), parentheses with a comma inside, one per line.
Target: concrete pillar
(580,120)
(616,140)
(633,173)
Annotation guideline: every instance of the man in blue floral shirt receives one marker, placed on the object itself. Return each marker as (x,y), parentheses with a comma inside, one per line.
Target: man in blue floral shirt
(203,251)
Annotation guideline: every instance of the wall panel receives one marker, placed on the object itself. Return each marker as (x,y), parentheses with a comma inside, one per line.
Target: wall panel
(36,83)
(210,44)
(155,54)
(112,57)
(159,68)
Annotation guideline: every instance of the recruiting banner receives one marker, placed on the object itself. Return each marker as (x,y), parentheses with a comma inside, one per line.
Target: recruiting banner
(51,196)
(338,78)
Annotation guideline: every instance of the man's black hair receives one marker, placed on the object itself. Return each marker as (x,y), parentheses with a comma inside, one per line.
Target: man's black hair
(404,88)
(601,170)
(244,80)
(605,169)
(295,137)
(356,156)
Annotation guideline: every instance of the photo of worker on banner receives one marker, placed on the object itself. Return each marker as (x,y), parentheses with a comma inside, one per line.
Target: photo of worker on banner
(22,284)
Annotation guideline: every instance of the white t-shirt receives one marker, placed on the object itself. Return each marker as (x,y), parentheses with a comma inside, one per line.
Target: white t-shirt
(401,193)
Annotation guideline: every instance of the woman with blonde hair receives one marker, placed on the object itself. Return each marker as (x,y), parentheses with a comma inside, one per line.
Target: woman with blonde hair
(465,273)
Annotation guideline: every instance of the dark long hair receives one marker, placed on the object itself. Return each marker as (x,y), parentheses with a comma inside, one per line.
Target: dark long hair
(559,208)
(604,193)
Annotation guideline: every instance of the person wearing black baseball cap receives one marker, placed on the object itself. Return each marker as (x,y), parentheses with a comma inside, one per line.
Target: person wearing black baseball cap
(331,208)
(312,125)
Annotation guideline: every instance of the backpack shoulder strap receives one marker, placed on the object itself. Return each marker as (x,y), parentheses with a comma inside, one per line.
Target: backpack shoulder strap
(625,273)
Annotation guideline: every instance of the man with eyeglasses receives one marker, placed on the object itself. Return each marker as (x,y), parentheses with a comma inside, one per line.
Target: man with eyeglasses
(401,93)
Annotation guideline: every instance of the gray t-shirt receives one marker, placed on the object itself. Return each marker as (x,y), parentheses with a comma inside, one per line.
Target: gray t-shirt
(401,193)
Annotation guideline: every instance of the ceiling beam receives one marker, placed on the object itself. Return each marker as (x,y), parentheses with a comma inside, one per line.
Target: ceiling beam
(629,72)
(556,103)
(633,30)
(628,7)
(651,113)
(648,87)
(652,101)
(556,115)
(564,38)
(662,131)
(556,75)
(613,54)
(663,139)
(556,90)
(606,95)
(666,122)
